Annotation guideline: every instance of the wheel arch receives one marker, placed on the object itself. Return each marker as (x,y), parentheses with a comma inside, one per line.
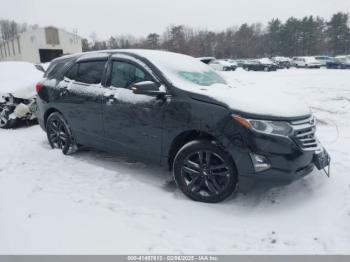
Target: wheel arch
(48,112)
(183,138)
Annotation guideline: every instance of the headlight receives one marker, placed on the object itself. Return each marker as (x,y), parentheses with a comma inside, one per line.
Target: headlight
(268,127)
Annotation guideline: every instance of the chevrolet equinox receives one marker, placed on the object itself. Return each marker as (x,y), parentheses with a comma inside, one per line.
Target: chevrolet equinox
(175,111)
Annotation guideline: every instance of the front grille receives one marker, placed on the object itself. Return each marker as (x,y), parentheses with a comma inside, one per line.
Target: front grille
(304,133)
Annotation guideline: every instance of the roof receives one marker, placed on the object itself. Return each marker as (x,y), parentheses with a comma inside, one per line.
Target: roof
(105,53)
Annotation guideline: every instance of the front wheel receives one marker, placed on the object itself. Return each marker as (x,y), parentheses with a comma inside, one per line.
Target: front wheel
(6,121)
(205,172)
(59,134)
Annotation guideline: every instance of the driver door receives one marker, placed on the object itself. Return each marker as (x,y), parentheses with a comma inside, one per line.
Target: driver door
(132,122)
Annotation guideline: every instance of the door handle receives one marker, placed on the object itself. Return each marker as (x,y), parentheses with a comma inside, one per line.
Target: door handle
(64,91)
(110,99)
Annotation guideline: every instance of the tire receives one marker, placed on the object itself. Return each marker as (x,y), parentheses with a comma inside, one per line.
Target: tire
(204,172)
(5,121)
(59,134)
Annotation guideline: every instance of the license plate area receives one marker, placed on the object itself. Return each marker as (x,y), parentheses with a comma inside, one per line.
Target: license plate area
(322,160)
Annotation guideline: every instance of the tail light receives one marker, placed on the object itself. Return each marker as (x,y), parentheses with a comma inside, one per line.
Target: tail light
(38,87)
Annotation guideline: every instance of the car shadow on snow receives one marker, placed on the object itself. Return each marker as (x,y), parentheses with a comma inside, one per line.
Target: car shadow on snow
(250,193)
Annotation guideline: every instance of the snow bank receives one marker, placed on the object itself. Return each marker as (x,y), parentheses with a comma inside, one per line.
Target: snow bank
(99,203)
(19,79)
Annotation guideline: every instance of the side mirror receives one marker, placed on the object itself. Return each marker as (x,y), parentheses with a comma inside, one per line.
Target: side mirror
(147,88)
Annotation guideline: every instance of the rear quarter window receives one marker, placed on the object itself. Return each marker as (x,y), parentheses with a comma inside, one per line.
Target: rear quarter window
(55,68)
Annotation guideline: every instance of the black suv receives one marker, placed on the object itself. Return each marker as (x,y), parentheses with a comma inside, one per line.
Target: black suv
(173,110)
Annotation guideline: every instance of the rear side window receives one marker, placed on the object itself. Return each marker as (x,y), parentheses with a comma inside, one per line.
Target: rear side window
(87,72)
(91,72)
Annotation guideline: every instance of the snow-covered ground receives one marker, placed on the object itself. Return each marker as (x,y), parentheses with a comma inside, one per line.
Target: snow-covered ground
(94,202)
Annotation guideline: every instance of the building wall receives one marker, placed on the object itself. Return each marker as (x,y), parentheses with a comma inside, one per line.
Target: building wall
(26,46)
(11,50)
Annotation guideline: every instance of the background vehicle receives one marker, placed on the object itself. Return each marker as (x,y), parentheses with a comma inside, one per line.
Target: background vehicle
(223,65)
(282,62)
(17,92)
(306,62)
(339,62)
(206,60)
(263,64)
(240,62)
(323,60)
(173,110)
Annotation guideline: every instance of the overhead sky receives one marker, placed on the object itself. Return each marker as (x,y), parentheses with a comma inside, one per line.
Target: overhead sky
(140,17)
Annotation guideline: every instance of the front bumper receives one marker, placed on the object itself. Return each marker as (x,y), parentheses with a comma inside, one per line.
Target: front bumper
(287,159)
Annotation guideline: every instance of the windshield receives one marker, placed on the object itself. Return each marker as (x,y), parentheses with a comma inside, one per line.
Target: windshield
(205,78)
(342,60)
(181,70)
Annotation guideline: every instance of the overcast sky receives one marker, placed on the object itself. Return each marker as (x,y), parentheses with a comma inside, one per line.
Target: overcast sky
(140,17)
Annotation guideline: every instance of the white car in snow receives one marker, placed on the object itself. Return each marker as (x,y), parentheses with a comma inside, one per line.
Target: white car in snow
(223,65)
(17,92)
(306,62)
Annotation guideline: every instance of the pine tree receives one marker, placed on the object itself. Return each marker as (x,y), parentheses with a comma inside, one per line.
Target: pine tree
(338,32)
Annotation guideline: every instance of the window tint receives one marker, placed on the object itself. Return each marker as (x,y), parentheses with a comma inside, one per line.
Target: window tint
(91,72)
(73,72)
(124,74)
(54,68)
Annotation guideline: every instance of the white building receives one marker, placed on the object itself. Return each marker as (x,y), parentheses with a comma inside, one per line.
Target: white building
(40,45)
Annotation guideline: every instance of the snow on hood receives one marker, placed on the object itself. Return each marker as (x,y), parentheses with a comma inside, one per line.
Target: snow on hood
(19,79)
(259,102)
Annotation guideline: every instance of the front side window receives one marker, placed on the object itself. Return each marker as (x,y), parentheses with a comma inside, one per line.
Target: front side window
(124,74)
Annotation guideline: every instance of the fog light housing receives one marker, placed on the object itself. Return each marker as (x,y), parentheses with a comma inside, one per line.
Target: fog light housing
(260,163)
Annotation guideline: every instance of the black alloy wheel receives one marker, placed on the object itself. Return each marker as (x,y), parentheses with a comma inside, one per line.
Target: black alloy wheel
(59,134)
(204,172)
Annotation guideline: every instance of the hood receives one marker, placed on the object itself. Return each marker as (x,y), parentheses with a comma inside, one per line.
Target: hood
(265,104)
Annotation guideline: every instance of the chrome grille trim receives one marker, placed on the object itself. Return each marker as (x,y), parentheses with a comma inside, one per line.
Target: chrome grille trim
(304,133)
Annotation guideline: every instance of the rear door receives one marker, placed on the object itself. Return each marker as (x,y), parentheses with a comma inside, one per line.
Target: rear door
(80,100)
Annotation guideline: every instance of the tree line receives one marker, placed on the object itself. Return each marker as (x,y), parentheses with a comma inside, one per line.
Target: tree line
(306,36)
(295,37)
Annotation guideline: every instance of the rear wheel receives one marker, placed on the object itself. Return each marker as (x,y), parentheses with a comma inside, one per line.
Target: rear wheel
(205,172)
(5,118)
(59,134)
